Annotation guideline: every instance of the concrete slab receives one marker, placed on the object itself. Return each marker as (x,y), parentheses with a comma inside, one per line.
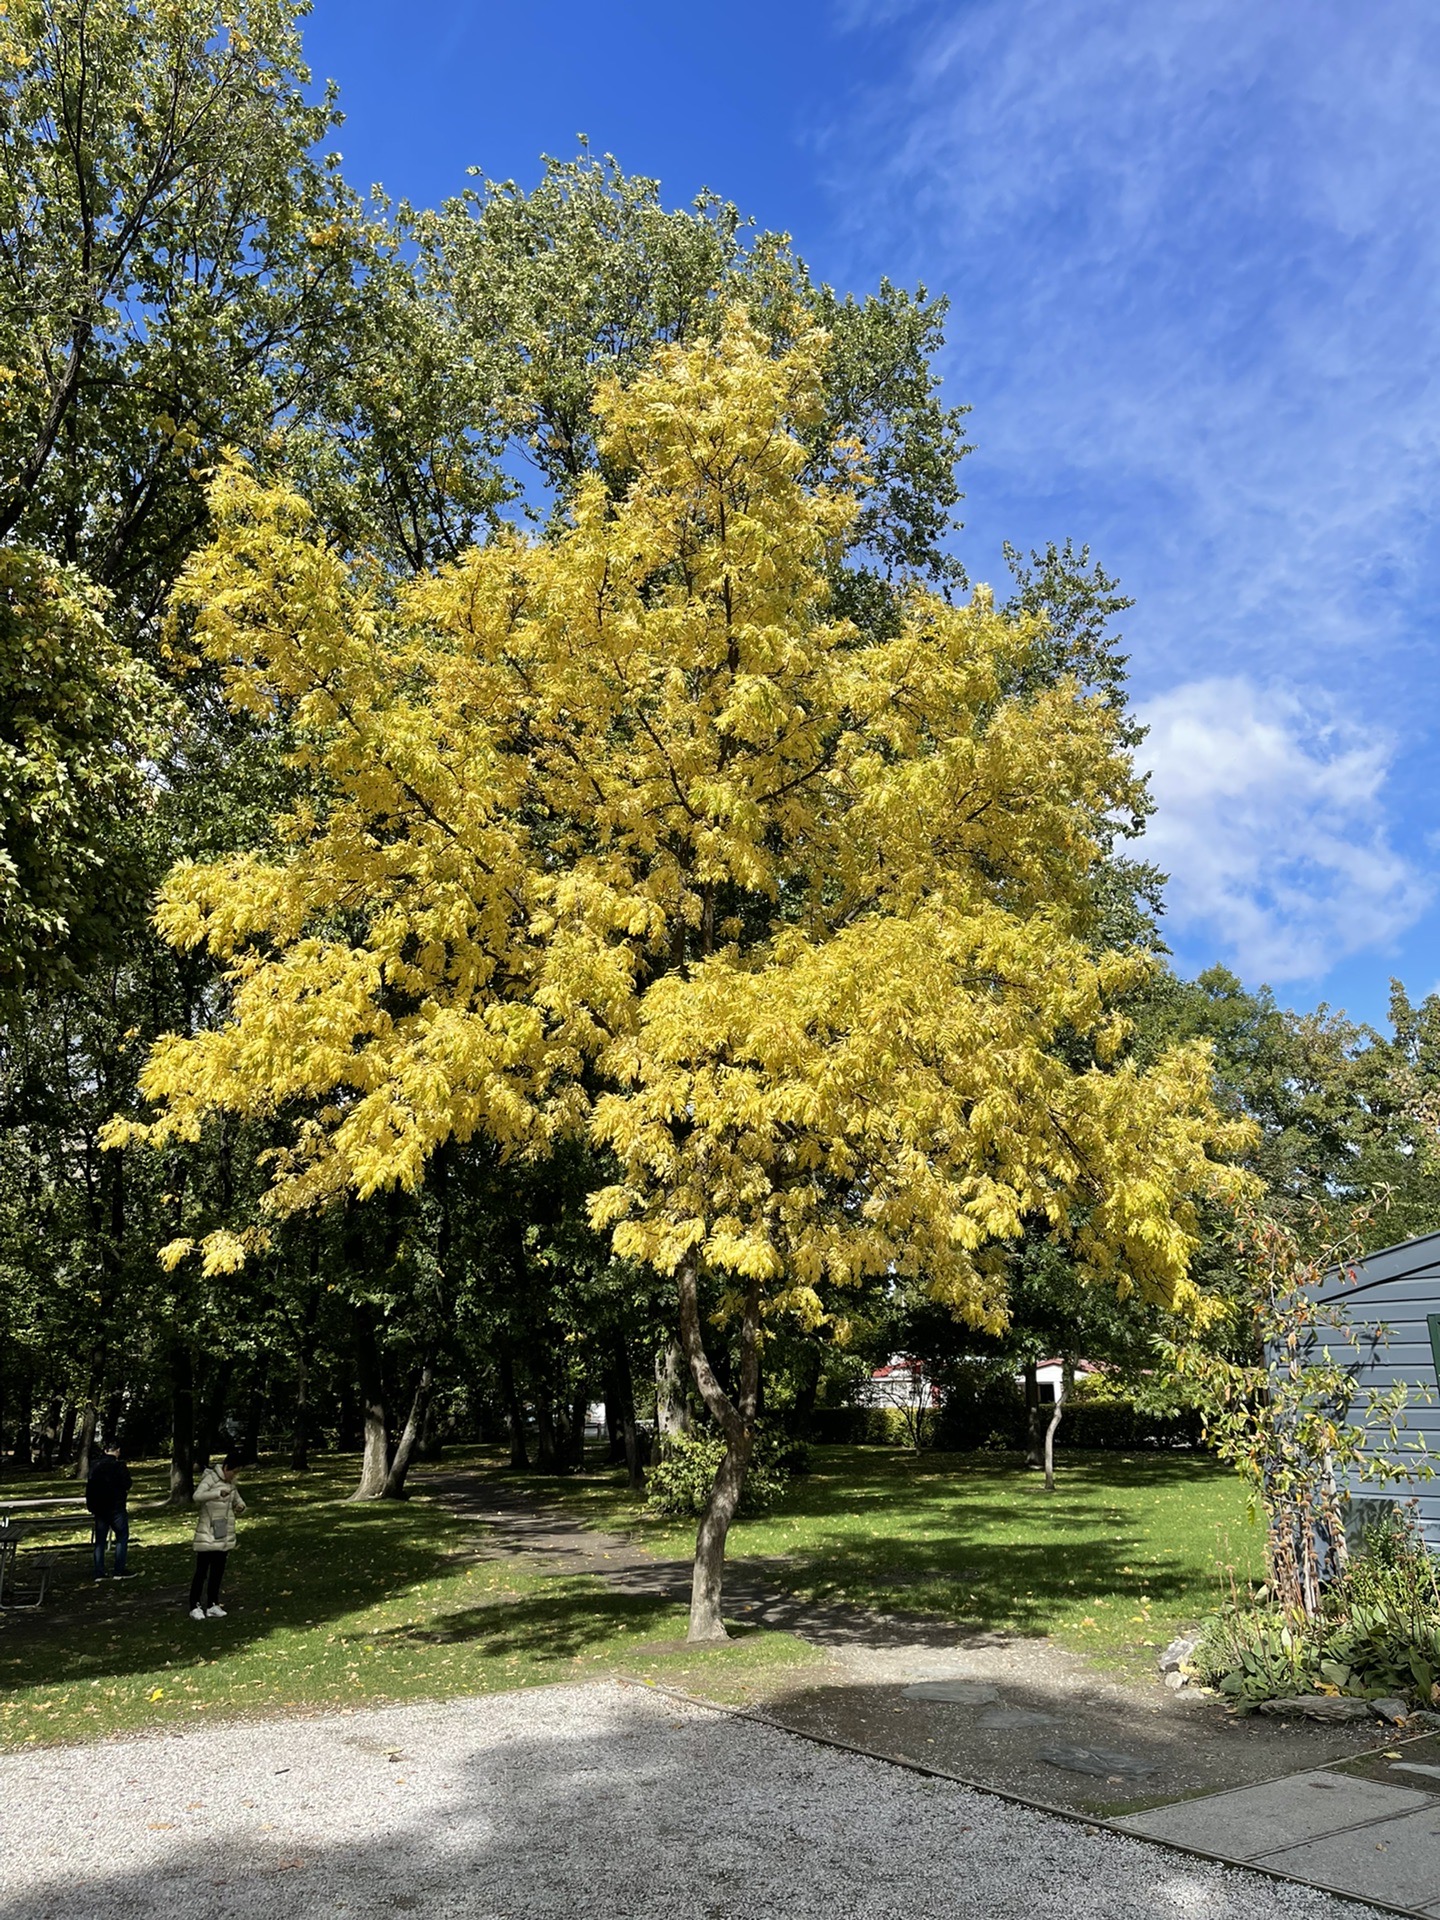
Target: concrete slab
(1394,1860)
(1249,1822)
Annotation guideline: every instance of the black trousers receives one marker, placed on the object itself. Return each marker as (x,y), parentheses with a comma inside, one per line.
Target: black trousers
(209,1572)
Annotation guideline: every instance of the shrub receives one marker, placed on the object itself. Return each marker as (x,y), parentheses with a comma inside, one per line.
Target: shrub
(1377,1631)
(1125,1428)
(859,1427)
(680,1484)
(985,1409)
(983,1406)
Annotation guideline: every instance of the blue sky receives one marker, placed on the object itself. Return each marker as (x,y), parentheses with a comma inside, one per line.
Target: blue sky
(1194,265)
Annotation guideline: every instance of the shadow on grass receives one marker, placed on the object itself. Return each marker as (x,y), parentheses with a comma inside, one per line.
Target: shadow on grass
(305,1557)
(543,1627)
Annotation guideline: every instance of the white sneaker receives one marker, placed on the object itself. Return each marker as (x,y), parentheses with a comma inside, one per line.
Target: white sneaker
(197,1613)
(214,1613)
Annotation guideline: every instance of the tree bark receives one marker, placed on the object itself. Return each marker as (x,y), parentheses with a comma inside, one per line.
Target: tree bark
(1055,1413)
(549,1456)
(89,1415)
(430,1445)
(300,1426)
(374,1460)
(672,1416)
(254,1414)
(737,1424)
(304,1355)
(67,1434)
(23,1452)
(182,1423)
(394,1488)
(49,1436)
(349,1428)
(514,1412)
(579,1407)
(615,1440)
(1034,1421)
(624,1390)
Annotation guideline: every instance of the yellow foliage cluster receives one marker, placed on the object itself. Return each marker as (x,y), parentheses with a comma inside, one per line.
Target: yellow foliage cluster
(624,830)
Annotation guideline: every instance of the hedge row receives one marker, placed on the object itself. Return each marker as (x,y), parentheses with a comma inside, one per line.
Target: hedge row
(995,1423)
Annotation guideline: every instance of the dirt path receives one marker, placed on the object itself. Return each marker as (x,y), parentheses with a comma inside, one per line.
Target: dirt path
(1113,1745)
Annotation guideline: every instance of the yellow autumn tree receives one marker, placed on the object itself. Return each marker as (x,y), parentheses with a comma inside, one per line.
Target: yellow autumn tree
(630,809)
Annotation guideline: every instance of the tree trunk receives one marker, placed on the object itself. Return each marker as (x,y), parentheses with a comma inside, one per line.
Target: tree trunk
(623,1387)
(737,1424)
(23,1453)
(672,1416)
(549,1458)
(182,1423)
(89,1416)
(430,1445)
(372,1407)
(1034,1419)
(1055,1413)
(304,1355)
(394,1488)
(49,1436)
(812,1365)
(300,1426)
(514,1412)
(217,1401)
(579,1407)
(254,1414)
(615,1440)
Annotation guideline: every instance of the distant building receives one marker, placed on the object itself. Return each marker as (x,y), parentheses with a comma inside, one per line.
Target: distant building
(1050,1373)
(901,1382)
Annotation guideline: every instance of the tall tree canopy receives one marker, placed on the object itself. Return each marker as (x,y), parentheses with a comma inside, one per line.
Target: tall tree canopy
(630,809)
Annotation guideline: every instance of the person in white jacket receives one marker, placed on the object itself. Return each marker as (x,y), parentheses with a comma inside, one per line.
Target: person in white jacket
(218,1499)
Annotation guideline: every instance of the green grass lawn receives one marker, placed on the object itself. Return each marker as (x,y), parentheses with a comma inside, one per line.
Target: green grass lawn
(330,1604)
(338,1604)
(1127,1550)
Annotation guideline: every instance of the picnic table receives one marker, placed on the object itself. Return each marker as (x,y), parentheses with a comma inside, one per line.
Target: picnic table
(24,1519)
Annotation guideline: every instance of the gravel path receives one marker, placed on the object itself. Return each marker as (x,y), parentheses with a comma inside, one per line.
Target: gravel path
(602,1800)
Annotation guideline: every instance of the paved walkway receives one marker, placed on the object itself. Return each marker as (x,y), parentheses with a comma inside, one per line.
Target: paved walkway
(1335,1828)
(553,1804)
(1033,1720)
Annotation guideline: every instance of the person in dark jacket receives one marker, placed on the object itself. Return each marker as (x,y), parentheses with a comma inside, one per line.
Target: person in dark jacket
(106,1491)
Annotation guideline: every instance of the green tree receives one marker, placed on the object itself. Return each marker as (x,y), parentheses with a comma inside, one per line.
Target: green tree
(79,715)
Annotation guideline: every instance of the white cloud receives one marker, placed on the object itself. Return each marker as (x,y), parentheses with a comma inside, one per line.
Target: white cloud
(1272,826)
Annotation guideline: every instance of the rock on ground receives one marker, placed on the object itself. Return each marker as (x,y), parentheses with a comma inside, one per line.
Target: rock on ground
(606,1800)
